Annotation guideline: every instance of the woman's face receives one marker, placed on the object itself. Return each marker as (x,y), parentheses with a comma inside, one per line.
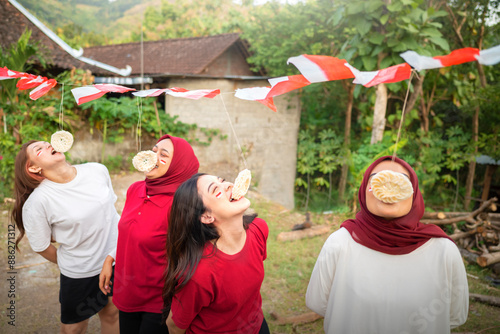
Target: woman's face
(42,156)
(216,195)
(388,210)
(164,153)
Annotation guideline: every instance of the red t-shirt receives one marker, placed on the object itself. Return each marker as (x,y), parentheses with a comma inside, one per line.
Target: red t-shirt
(141,252)
(223,296)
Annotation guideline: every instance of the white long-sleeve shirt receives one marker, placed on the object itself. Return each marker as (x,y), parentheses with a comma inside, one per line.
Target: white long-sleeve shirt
(80,215)
(360,290)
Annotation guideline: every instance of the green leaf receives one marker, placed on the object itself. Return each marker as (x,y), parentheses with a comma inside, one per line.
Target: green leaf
(441,42)
(369,63)
(384,18)
(395,7)
(376,38)
(363,26)
(430,32)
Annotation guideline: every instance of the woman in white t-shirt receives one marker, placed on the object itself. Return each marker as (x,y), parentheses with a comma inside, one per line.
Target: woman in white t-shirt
(385,272)
(73,206)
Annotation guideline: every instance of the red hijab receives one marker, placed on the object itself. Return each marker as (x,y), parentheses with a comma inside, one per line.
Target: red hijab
(397,236)
(184,165)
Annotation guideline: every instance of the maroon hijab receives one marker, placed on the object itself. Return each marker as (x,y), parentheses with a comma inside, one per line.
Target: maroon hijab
(397,236)
(184,165)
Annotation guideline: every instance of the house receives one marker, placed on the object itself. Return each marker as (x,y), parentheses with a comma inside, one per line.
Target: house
(255,137)
(267,139)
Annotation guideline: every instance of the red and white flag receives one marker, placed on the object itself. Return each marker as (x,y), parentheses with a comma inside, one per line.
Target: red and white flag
(258,94)
(282,85)
(179,92)
(5,74)
(394,73)
(149,92)
(29,81)
(193,94)
(321,68)
(456,57)
(489,56)
(42,89)
(89,93)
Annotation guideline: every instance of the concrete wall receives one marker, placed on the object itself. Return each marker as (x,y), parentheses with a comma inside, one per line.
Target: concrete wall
(269,139)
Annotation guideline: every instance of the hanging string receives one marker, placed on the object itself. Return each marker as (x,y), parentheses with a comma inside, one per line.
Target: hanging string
(402,116)
(61,110)
(139,125)
(234,132)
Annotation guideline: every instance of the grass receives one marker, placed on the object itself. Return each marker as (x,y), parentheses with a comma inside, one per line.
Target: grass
(289,265)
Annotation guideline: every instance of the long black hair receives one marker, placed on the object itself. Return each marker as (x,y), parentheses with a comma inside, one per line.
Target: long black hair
(187,237)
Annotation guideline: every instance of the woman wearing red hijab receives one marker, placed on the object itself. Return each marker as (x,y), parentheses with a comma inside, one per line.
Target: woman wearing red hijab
(140,260)
(385,271)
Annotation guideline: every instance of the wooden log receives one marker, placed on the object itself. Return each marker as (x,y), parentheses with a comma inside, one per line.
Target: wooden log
(469,256)
(490,300)
(306,233)
(444,215)
(460,235)
(488,259)
(297,319)
(468,218)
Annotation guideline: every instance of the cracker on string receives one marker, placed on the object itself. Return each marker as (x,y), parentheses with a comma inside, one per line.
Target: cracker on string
(144,161)
(61,141)
(241,184)
(391,187)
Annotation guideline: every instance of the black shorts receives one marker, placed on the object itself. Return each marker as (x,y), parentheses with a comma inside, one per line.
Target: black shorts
(81,298)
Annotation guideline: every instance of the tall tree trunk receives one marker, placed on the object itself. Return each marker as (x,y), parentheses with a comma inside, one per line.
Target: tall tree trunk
(347,142)
(379,114)
(475,137)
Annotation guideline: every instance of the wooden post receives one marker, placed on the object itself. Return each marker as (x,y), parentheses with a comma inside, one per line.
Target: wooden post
(490,170)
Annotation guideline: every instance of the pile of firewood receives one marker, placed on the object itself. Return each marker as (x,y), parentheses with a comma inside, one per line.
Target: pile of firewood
(479,237)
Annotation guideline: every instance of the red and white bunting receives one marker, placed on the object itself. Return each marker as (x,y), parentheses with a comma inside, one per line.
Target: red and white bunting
(86,94)
(489,56)
(387,75)
(42,89)
(111,88)
(29,81)
(252,94)
(179,92)
(149,92)
(89,93)
(321,68)
(284,85)
(5,74)
(258,94)
(193,94)
(456,57)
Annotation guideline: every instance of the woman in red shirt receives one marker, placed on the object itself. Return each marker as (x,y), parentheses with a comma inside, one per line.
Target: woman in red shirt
(140,261)
(215,256)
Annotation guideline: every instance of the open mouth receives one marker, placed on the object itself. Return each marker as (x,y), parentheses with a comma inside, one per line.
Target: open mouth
(53,152)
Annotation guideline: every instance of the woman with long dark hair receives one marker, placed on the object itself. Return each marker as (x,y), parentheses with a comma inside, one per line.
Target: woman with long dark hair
(142,232)
(216,256)
(385,271)
(72,205)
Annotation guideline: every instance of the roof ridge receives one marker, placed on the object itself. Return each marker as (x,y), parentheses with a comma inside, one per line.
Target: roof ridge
(163,40)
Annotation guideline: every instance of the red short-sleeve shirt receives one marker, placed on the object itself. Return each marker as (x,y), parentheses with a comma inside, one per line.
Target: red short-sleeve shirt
(223,296)
(141,253)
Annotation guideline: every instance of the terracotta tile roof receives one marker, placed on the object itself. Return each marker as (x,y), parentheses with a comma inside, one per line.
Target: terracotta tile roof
(12,25)
(172,57)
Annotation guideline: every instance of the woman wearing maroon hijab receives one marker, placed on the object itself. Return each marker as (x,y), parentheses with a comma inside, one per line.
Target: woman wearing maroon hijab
(385,271)
(140,260)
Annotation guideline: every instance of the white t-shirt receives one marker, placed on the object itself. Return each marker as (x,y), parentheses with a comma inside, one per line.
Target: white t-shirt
(359,290)
(80,215)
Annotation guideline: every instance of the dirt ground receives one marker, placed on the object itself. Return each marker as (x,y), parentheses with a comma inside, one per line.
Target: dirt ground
(35,282)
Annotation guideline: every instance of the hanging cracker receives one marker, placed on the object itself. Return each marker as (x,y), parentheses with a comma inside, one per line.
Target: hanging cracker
(61,141)
(241,184)
(144,161)
(391,187)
